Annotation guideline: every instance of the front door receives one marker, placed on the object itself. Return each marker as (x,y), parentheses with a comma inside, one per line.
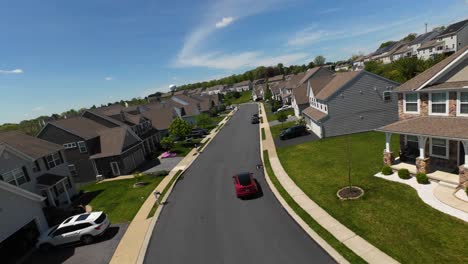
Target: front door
(461,159)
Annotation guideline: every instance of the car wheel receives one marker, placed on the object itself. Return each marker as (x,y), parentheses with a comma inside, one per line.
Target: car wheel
(45,247)
(87,239)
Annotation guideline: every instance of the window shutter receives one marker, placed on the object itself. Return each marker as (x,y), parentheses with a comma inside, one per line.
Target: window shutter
(1,178)
(46,163)
(25,171)
(61,158)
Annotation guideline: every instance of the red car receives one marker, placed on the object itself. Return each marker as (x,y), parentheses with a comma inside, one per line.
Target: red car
(245,184)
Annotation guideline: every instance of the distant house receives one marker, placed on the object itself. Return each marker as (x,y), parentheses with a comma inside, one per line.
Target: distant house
(347,102)
(243,86)
(217,89)
(389,55)
(33,174)
(419,40)
(344,66)
(433,122)
(275,79)
(286,90)
(358,63)
(275,89)
(299,100)
(455,36)
(431,48)
(258,92)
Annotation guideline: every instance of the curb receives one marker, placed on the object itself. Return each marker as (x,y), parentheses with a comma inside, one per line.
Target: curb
(307,229)
(149,232)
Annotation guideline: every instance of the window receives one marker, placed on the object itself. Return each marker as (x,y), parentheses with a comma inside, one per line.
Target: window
(463,103)
(411,103)
(54,160)
(82,147)
(16,177)
(115,168)
(438,104)
(69,145)
(387,96)
(72,170)
(36,167)
(82,217)
(453,46)
(439,148)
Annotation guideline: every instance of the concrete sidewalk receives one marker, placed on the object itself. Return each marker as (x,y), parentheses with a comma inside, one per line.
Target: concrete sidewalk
(354,242)
(133,241)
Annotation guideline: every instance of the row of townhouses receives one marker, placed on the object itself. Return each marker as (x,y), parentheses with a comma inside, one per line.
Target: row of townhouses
(39,173)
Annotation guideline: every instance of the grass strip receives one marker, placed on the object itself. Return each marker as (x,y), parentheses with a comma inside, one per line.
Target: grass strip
(263,133)
(155,206)
(323,233)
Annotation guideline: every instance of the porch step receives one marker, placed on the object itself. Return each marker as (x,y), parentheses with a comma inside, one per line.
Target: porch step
(449,185)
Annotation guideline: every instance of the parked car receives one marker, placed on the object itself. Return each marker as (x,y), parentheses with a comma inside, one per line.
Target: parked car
(203,130)
(284,107)
(196,134)
(83,227)
(292,132)
(244,184)
(254,120)
(255,115)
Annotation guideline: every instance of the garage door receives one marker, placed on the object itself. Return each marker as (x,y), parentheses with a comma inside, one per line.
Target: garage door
(20,243)
(315,128)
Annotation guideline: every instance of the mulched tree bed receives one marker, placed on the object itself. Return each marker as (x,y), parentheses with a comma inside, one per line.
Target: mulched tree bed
(350,193)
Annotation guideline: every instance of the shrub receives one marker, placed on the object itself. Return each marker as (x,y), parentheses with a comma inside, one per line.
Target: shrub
(167,142)
(404,174)
(422,178)
(386,170)
(160,173)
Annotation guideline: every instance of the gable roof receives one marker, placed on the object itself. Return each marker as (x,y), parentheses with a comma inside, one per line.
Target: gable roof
(309,74)
(300,94)
(276,78)
(416,82)
(32,147)
(431,44)
(80,126)
(339,80)
(243,83)
(160,118)
(219,87)
(114,141)
(294,80)
(454,28)
(109,110)
(423,38)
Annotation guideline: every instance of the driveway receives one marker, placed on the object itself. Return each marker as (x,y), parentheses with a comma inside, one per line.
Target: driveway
(295,141)
(203,221)
(100,252)
(163,164)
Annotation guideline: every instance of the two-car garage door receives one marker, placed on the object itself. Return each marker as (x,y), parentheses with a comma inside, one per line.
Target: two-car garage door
(317,129)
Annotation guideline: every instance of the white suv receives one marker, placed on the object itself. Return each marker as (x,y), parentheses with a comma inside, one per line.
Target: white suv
(83,227)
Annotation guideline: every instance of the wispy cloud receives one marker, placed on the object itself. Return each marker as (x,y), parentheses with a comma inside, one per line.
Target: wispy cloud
(38,109)
(195,54)
(224,22)
(109,78)
(15,71)
(329,10)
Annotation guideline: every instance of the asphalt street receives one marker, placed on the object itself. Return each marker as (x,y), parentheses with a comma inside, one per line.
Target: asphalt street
(204,222)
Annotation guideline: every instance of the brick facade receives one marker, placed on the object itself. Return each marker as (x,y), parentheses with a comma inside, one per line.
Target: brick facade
(452,107)
(389,158)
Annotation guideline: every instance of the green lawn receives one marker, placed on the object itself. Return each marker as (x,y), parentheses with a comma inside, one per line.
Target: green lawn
(323,233)
(390,216)
(272,116)
(119,199)
(182,148)
(276,130)
(244,98)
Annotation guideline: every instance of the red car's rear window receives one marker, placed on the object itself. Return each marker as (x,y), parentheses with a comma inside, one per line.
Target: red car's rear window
(244,179)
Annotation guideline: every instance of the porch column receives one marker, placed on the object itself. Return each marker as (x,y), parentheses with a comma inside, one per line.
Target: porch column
(51,197)
(388,158)
(463,169)
(66,192)
(422,163)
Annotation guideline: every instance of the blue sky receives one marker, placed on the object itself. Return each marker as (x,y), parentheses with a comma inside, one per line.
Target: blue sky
(56,55)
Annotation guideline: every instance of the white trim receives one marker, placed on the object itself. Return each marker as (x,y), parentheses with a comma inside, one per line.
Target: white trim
(447,146)
(460,57)
(21,191)
(112,168)
(418,102)
(447,101)
(459,103)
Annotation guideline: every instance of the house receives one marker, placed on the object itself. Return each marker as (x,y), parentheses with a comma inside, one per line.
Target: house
(455,36)
(257,92)
(275,79)
(258,81)
(33,174)
(299,100)
(347,102)
(419,40)
(344,66)
(358,63)
(243,86)
(97,145)
(286,91)
(433,121)
(275,89)
(388,55)
(382,52)
(430,48)
(217,89)
(196,91)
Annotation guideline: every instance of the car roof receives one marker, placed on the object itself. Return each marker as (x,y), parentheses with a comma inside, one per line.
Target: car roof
(244,178)
(81,218)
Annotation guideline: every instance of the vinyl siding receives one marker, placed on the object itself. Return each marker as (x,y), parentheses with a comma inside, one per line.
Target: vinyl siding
(358,112)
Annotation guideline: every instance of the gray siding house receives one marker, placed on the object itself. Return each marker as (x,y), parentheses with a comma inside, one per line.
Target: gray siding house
(348,102)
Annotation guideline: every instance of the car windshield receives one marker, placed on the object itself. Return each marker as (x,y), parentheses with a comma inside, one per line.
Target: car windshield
(82,217)
(244,179)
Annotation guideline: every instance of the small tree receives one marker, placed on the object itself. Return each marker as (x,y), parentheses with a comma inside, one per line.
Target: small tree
(203,120)
(319,60)
(214,111)
(179,128)
(167,142)
(267,93)
(282,117)
(301,121)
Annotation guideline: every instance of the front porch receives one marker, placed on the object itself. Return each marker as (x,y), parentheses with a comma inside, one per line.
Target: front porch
(441,159)
(56,188)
